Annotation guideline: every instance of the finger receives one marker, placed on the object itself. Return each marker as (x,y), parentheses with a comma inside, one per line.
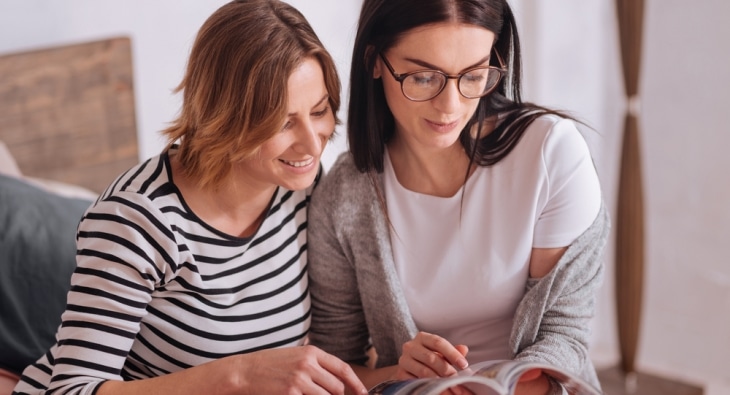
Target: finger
(445,348)
(539,385)
(459,390)
(424,362)
(463,349)
(413,367)
(531,374)
(339,373)
(402,374)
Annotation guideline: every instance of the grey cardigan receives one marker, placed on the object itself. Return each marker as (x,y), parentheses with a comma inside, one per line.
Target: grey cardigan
(357,300)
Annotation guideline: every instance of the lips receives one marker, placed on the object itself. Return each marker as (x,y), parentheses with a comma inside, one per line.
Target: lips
(444,123)
(301,163)
(443,126)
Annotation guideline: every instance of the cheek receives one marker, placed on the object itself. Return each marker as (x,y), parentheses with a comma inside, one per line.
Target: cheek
(325,126)
(274,147)
(400,107)
(471,106)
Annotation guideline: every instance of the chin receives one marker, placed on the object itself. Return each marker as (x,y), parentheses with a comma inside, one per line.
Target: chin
(299,183)
(444,142)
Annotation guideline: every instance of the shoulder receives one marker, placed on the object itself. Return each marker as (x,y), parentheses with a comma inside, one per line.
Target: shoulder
(552,129)
(144,178)
(554,132)
(343,181)
(552,139)
(139,193)
(343,170)
(346,197)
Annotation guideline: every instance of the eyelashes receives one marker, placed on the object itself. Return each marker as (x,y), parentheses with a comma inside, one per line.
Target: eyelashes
(316,114)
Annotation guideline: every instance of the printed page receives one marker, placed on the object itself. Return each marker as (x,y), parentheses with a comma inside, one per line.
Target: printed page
(478,386)
(508,373)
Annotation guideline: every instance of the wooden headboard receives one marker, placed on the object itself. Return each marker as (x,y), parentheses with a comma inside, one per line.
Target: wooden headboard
(67,112)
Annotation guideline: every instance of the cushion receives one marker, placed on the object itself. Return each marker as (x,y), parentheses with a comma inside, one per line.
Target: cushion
(8,166)
(37,257)
(62,188)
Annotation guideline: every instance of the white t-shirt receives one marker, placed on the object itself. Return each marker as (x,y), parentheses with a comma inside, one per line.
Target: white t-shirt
(463,260)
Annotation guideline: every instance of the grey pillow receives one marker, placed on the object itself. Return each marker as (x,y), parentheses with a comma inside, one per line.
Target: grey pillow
(37,257)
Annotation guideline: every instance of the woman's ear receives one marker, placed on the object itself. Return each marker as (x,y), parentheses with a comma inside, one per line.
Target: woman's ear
(377,70)
(369,53)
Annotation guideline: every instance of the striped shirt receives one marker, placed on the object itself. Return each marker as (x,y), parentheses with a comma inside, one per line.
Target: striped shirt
(156,290)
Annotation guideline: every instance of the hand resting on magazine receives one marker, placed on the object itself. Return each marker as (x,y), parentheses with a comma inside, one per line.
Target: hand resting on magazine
(533,382)
(428,355)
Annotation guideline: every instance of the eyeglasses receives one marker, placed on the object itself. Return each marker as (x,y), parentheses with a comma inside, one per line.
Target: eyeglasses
(423,85)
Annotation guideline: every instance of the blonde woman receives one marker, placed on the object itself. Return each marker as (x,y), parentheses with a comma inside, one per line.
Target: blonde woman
(192,266)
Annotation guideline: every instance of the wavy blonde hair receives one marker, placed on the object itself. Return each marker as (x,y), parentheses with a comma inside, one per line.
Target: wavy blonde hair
(235,85)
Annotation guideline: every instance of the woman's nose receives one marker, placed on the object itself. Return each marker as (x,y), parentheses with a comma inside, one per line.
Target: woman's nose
(309,140)
(449,100)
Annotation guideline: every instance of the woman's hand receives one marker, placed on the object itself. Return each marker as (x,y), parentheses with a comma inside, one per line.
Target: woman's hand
(293,370)
(533,382)
(429,355)
(298,370)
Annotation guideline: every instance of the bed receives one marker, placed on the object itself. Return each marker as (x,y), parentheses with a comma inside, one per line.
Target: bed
(67,129)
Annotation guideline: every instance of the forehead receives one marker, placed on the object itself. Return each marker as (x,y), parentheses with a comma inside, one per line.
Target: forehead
(306,85)
(448,40)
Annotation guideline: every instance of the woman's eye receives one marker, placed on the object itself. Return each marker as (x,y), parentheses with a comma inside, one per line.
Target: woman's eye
(476,75)
(286,126)
(425,78)
(321,113)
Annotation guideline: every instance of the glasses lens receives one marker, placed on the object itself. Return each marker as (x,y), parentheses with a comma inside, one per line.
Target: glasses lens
(424,85)
(478,82)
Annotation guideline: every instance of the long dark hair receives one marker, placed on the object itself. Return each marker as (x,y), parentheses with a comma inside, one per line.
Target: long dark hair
(370,124)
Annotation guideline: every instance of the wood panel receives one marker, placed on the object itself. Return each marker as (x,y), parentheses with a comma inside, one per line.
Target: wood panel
(67,112)
(613,383)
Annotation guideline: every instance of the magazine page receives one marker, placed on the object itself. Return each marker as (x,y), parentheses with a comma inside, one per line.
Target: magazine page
(395,387)
(571,384)
(477,385)
(509,372)
(489,378)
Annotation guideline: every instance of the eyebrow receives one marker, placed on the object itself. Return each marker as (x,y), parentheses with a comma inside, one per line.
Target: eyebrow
(434,67)
(325,97)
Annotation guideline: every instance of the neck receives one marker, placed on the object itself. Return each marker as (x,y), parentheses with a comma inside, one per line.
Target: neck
(232,208)
(437,172)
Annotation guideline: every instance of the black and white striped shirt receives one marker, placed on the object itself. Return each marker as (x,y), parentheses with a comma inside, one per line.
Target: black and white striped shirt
(157,290)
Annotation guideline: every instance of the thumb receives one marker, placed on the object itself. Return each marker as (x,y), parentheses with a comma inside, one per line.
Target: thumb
(531,374)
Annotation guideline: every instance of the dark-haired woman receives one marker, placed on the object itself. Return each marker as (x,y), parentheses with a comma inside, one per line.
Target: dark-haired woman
(463,224)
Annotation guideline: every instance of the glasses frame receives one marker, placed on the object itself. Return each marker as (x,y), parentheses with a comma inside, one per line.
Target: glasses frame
(401,77)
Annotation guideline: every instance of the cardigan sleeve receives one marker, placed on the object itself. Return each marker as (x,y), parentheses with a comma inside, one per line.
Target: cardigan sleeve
(552,322)
(338,319)
(357,298)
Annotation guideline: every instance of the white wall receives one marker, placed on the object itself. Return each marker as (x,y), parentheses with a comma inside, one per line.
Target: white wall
(571,62)
(162,33)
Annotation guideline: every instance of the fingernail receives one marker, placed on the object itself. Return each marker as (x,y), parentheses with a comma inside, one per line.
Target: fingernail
(462,363)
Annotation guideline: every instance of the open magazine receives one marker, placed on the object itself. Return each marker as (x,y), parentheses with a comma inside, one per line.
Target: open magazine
(489,378)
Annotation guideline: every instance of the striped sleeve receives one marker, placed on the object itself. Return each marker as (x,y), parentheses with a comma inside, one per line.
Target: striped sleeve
(120,263)
(157,290)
